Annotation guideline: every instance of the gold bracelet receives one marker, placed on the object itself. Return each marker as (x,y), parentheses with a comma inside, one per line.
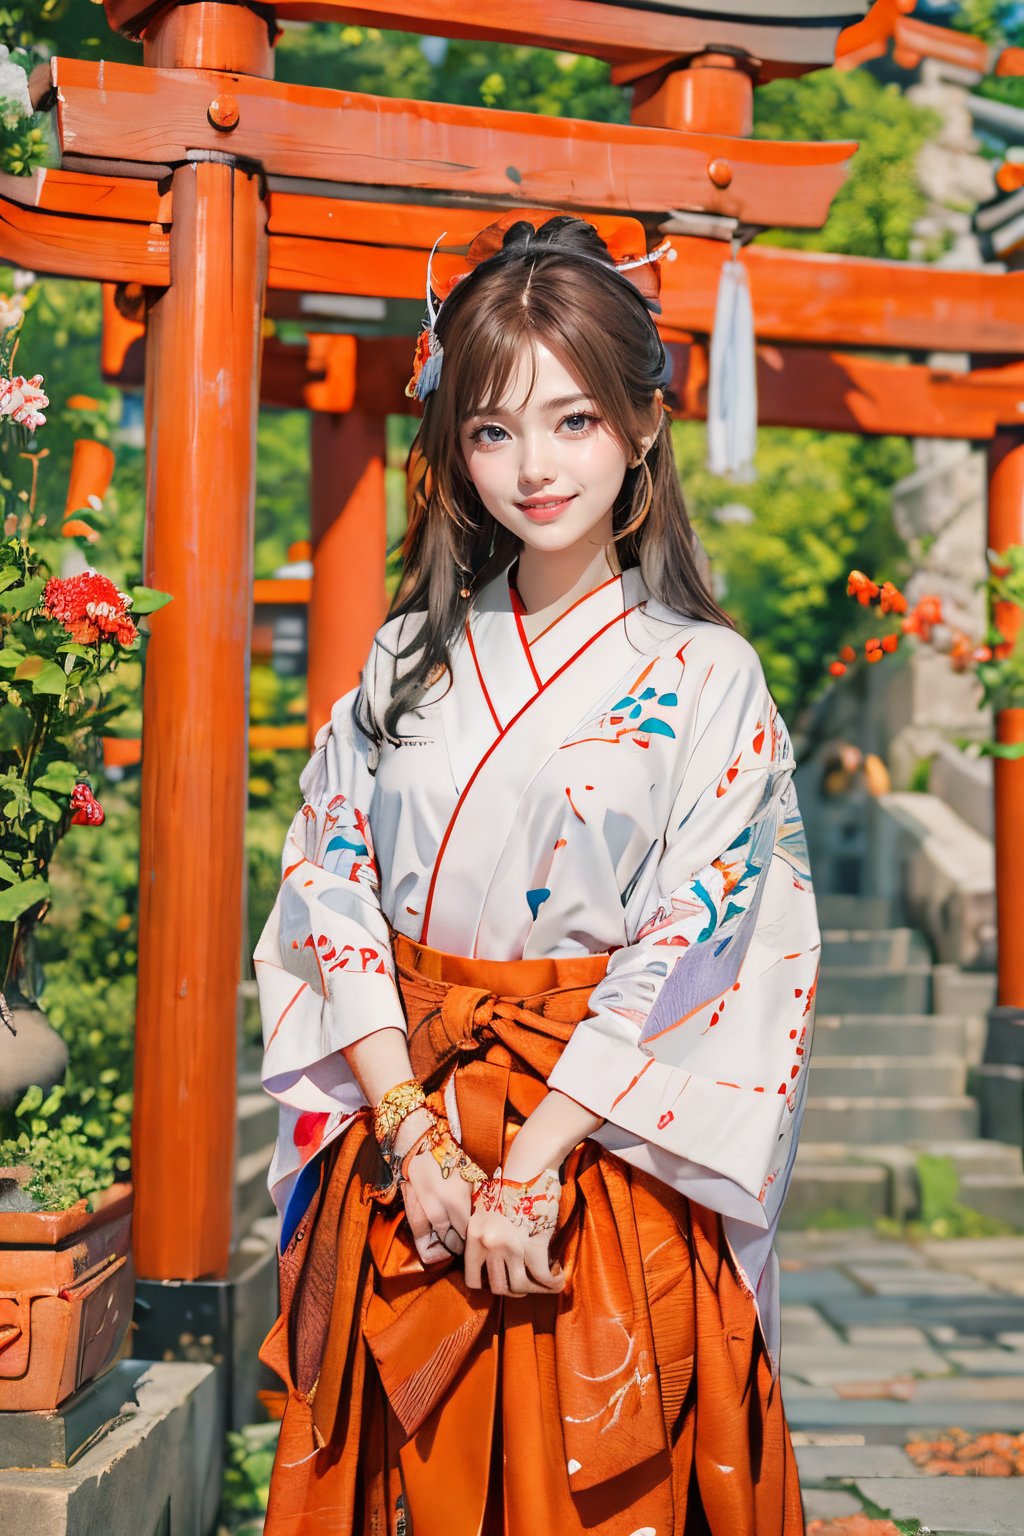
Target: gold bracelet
(395,1106)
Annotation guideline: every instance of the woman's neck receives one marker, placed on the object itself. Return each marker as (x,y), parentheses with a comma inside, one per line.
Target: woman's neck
(549,584)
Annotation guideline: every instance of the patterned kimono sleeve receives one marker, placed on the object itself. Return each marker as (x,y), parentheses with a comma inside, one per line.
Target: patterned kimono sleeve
(323,962)
(700,1030)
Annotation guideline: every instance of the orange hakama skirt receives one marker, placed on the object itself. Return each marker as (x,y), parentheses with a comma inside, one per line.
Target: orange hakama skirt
(638,1402)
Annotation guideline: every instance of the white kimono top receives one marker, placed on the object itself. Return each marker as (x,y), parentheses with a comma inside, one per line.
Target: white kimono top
(623,784)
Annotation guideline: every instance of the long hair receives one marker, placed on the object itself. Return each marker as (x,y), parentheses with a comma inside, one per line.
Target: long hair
(555,285)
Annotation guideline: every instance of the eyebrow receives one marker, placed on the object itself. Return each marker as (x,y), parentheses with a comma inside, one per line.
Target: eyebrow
(580,397)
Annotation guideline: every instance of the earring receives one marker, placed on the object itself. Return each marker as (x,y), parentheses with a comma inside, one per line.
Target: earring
(641,517)
(464,590)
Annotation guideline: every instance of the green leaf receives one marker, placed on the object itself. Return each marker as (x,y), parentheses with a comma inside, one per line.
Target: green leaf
(9,577)
(7,872)
(51,679)
(15,727)
(9,657)
(148,599)
(30,1101)
(23,598)
(45,806)
(17,899)
(59,776)
(71,648)
(52,1101)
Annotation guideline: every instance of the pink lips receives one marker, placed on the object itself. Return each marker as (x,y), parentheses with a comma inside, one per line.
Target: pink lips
(544,511)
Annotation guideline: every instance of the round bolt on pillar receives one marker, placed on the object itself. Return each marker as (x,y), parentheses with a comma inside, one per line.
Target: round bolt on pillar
(223,113)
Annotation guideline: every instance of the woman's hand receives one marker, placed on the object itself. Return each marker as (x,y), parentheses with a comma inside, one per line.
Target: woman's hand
(509,1236)
(437,1203)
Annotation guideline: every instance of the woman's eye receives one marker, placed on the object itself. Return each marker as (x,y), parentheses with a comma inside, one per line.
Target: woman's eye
(579,421)
(489,435)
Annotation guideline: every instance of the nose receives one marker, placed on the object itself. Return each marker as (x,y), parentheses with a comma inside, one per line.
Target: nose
(536,462)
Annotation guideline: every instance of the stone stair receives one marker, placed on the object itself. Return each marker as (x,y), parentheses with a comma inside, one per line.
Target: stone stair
(257,1122)
(890,1077)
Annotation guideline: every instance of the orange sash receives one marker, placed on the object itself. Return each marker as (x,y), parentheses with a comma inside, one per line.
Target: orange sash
(639,1399)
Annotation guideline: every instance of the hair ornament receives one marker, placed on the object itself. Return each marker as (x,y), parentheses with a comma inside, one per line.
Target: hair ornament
(429,354)
(666,251)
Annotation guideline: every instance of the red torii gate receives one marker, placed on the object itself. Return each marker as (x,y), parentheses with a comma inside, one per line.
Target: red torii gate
(242,216)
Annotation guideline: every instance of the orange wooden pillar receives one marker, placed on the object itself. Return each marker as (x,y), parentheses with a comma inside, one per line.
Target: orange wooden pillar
(1005,527)
(347,601)
(710,93)
(202,392)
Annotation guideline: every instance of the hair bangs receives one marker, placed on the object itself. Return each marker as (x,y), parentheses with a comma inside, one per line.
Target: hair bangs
(491,355)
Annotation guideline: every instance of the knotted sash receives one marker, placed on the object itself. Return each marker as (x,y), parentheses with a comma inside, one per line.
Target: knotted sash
(647,1371)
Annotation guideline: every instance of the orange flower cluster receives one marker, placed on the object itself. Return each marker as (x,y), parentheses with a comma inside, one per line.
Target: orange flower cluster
(921,620)
(959,1454)
(90,608)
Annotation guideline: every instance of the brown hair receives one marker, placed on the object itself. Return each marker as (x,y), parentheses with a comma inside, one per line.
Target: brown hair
(556,285)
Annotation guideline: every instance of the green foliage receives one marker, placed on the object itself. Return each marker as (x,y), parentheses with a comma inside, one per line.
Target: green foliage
(873,1511)
(53,709)
(476,73)
(1000,22)
(921,775)
(820,507)
(248,1462)
(875,210)
(74,1153)
(941,1212)
(1002,675)
(25,140)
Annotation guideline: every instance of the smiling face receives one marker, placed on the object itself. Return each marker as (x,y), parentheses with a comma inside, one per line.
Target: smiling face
(544,463)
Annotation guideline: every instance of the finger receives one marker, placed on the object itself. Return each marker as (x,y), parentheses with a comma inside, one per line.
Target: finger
(472,1263)
(452,1242)
(414,1212)
(519,1282)
(538,1264)
(497,1276)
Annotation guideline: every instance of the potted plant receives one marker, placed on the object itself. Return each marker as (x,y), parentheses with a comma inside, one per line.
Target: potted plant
(66,1280)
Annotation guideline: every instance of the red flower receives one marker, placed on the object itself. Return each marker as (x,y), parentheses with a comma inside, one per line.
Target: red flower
(837,669)
(86,810)
(861,587)
(890,642)
(891,599)
(848,654)
(90,608)
(929,610)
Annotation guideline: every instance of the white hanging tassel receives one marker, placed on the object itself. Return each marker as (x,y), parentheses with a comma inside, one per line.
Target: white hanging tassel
(732,382)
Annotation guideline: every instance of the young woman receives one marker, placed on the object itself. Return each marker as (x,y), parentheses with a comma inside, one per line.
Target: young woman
(538,986)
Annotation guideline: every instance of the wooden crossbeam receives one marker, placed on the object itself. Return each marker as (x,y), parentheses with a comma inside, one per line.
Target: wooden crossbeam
(852,301)
(827,300)
(633,36)
(67,245)
(836,392)
(138,116)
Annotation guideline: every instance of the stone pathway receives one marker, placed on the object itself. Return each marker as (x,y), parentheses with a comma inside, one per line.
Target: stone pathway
(889,1344)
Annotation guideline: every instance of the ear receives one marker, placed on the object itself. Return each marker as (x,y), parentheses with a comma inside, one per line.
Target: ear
(646,442)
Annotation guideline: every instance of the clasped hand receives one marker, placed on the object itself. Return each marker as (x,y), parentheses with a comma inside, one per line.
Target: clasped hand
(509,1236)
(503,1228)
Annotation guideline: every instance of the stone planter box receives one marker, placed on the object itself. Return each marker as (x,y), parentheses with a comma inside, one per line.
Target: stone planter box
(66,1291)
